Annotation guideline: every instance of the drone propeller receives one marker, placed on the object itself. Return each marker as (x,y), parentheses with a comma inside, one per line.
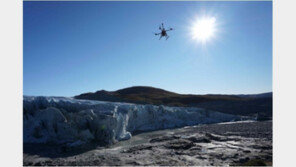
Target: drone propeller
(156,33)
(170,29)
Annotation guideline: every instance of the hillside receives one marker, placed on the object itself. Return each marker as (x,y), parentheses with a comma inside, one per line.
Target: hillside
(232,104)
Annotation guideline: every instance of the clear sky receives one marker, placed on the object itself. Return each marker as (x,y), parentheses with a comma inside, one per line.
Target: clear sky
(77,47)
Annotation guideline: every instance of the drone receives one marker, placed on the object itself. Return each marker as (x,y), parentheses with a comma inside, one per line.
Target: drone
(163,32)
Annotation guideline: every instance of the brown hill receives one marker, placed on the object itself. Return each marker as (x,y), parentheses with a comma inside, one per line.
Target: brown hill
(234,104)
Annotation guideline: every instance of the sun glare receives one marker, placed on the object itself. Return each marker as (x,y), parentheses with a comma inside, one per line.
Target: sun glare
(203,29)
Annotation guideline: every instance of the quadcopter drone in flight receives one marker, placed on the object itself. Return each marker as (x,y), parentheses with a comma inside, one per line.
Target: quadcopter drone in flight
(163,32)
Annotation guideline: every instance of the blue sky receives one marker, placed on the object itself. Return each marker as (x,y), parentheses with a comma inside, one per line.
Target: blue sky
(76,47)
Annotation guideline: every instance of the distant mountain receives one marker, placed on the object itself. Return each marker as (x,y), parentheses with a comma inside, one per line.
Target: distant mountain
(150,95)
(233,104)
(261,95)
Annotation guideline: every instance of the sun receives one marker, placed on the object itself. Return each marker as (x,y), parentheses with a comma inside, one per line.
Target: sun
(204,28)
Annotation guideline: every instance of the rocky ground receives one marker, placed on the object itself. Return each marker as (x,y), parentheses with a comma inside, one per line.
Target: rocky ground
(202,145)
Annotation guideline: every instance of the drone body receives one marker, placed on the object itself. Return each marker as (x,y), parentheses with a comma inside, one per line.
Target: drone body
(163,32)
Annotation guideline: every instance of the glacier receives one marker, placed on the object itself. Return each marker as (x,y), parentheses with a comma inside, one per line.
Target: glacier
(67,120)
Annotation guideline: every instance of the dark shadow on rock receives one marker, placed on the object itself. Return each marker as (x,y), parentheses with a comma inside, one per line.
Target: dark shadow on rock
(179,144)
(58,151)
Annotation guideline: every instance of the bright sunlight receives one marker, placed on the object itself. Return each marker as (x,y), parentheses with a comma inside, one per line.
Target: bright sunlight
(204,28)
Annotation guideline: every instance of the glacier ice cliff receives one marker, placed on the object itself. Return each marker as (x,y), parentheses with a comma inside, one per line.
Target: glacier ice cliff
(68,120)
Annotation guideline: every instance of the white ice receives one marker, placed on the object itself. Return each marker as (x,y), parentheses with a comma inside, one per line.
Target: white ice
(68,120)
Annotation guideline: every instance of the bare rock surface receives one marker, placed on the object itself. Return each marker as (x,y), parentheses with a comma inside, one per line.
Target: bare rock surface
(202,145)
